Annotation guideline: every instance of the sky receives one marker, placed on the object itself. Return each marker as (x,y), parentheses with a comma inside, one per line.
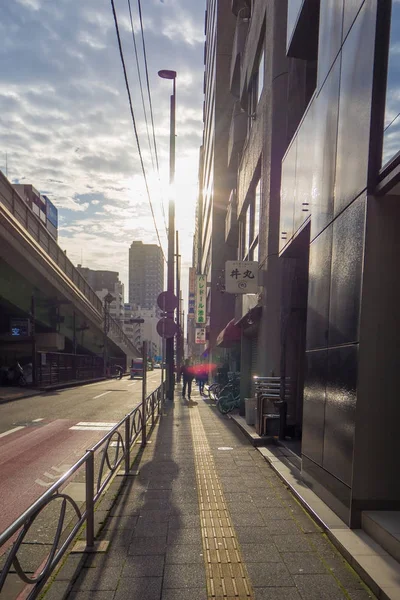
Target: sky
(65,125)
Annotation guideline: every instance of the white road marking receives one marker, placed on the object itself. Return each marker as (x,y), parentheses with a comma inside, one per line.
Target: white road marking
(43,483)
(86,428)
(37,420)
(50,476)
(96,424)
(11,431)
(62,469)
(100,395)
(131,384)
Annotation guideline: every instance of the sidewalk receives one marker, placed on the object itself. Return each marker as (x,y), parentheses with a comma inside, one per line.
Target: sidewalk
(205,516)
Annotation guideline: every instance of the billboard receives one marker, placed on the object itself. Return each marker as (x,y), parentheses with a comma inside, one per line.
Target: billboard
(51,212)
(200,337)
(201,296)
(192,292)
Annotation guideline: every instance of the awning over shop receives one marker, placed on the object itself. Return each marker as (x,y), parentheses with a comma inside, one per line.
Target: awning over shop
(251,317)
(229,335)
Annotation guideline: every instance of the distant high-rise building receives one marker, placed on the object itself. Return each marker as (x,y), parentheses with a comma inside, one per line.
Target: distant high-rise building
(103,283)
(146,274)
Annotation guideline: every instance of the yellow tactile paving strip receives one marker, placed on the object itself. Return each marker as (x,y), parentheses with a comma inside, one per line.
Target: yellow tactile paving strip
(225,571)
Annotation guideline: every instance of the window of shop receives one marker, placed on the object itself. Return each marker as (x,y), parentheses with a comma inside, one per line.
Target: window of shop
(250,226)
(391,134)
(256,86)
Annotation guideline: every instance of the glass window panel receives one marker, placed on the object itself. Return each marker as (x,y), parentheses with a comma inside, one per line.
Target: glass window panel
(391,136)
(260,82)
(247,233)
(257,204)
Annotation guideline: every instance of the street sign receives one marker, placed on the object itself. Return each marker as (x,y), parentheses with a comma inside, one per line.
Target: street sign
(20,327)
(200,337)
(241,277)
(166,328)
(167,301)
(201,287)
(192,292)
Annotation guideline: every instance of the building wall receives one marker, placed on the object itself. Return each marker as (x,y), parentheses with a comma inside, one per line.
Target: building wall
(215,177)
(146,274)
(330,163)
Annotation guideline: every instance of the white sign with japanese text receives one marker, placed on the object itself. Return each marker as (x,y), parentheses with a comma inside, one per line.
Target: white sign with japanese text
(241,277)
(200,335)
(201,298)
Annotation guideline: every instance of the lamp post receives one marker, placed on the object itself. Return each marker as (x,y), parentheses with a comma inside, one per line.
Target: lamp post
(166,74)
(107,301)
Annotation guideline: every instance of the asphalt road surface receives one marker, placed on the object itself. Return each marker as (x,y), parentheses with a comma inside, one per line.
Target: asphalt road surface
(43,436)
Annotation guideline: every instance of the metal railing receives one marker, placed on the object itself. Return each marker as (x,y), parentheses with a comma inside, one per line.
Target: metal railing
(121,439)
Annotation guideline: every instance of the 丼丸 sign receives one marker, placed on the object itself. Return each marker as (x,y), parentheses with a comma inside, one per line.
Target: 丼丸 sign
(201,295)
(200,337)
(241,277)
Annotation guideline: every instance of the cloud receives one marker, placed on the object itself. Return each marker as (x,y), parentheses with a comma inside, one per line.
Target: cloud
(66,126)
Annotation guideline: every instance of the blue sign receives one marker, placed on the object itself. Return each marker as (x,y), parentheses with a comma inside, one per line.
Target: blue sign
(51,212)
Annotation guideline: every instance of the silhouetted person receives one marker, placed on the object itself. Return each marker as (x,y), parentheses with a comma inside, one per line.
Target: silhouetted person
(187,376)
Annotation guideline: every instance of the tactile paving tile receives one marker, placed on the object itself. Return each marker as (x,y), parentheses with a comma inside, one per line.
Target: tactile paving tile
(226,574)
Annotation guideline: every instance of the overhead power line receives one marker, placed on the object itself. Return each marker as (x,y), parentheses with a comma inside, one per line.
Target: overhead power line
(143,104)
(150,102)
(134,123)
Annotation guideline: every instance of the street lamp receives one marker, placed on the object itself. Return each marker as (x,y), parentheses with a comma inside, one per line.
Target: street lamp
(166,74)
(107,301)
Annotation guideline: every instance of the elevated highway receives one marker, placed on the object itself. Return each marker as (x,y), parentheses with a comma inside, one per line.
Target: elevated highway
(40,286)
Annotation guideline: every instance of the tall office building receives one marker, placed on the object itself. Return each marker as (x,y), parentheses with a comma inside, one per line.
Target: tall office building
(146,274)
(314,153)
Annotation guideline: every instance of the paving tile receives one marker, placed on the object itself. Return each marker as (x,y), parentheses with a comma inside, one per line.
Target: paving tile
(87,596)
(124,522)
(185,594)
(282,527)
(190,535)
(252,535)
(184,554)
(303,562)
(145,529)
(244,519)
(284,593)
(260,553)
(275,513)
(154,516)
(184,521)
(269,575)
(57,591)
(184,576)
(98,579)
(147,546)
(143,566)
(138,588)
(292,543)
(360,595)
(318,587)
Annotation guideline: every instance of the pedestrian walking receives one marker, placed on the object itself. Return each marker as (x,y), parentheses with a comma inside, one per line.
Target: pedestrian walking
(187,376)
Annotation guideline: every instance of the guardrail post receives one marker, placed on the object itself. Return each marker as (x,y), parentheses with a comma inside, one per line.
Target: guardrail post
(144,355)
(127,444)
(153,407)
(89,500)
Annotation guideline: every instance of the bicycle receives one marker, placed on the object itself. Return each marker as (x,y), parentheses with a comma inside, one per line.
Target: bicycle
(228,402)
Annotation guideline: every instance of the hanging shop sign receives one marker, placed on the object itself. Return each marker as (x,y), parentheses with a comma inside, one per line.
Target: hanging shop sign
(201,295)
(200,337)
(192,293)
(241,277)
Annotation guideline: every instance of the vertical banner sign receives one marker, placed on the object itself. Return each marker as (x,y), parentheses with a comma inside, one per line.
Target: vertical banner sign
(201,287)
(200,335)
(192,292)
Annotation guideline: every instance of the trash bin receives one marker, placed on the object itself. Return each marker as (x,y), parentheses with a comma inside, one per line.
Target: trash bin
(250,410)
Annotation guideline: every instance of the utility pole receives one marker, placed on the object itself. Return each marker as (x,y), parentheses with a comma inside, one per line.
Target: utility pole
(178,310)
(167,74)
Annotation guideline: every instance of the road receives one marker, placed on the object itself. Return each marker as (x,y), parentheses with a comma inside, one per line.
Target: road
(42,436)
